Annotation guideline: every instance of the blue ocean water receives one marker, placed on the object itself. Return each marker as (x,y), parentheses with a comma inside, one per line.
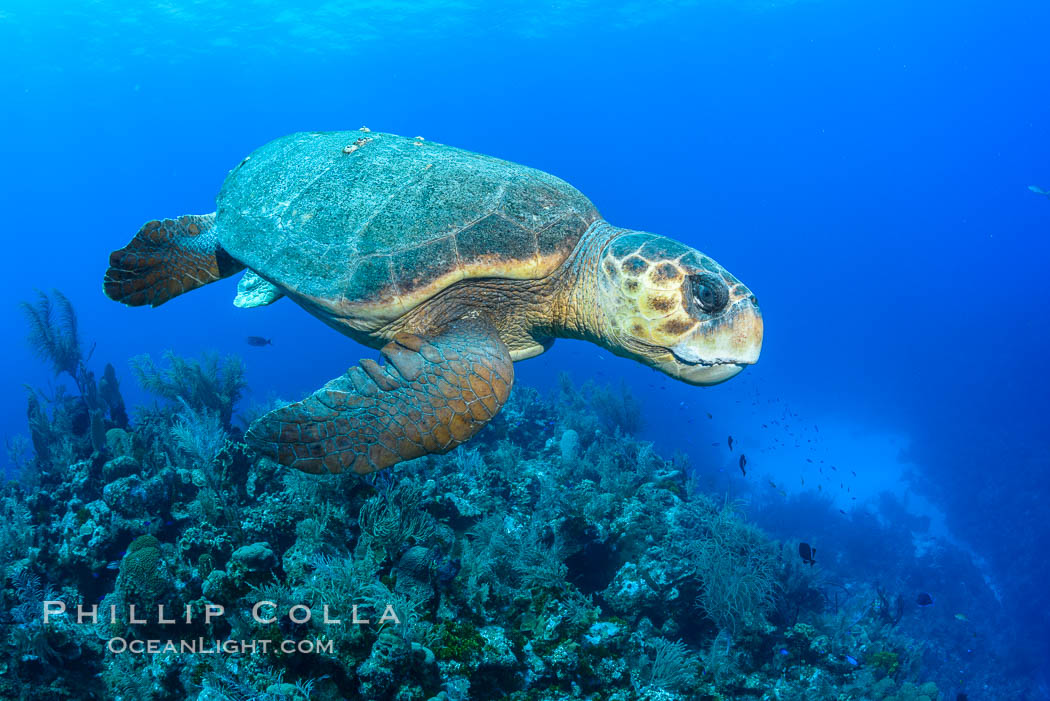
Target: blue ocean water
(864,168)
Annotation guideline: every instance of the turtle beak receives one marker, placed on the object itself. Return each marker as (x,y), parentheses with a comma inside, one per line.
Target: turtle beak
(720,347)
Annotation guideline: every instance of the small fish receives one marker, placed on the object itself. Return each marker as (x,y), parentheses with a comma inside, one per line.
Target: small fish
(924,599)
(115,565)
(842,511)
(730,442)
(784,652)
(807,553)
(772,484)
(852,660)
(962,617)
(834,468)
(809,459)
(258,341)
(743,464)
(961,697)
(709,415)
(1039,191)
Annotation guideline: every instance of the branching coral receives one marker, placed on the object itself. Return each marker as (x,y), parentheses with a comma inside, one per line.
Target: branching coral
(55,336)
(199,433)
(16,531)
(503,557)
(340,579)
(210,383)
(673,667)
(395,517)
(735,564)
(54,333)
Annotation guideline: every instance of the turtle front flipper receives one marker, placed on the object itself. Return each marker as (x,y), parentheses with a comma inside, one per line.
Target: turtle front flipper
(166,258)
(433,394)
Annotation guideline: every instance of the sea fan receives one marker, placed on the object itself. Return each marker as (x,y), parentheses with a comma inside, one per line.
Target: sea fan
(53,332)
(211,383)
(673,667)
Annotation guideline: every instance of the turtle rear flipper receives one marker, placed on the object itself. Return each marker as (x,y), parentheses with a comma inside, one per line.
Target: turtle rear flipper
(432,395)
(167,258)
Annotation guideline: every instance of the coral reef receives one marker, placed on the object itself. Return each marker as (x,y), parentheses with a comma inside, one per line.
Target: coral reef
(556,557)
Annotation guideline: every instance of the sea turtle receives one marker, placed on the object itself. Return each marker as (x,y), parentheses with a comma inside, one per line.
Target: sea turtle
(452,263)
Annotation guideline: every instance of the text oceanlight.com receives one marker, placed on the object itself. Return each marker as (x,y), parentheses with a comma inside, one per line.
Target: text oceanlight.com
(200,646)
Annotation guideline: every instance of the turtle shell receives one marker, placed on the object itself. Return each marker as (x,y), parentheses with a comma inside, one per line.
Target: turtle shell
(368,225)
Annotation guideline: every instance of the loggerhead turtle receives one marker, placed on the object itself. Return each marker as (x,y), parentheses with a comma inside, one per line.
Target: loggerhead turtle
(455,265)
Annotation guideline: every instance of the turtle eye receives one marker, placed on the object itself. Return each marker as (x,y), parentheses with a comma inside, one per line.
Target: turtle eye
(709,293)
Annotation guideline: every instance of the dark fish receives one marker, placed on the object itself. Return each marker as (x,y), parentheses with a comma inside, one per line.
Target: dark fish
(730,442)
(743,464)
(854,472)
(709,415)
(807,553)
(924,599)
(961,697)
(258,341)
(842,511)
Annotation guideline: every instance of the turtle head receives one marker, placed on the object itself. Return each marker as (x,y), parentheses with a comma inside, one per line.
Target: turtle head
(675,309)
